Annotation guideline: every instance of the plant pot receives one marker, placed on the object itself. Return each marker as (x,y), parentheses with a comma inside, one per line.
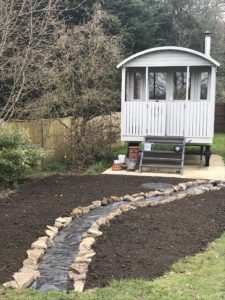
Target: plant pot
(116,167)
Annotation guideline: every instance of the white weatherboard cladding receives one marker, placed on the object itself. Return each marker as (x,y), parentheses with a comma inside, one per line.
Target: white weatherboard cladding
(169,58)
(168,119)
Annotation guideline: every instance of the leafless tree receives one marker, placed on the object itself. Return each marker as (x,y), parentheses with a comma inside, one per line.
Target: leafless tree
(27,30)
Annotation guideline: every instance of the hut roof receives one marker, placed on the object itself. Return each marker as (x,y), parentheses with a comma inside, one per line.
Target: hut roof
(201,55)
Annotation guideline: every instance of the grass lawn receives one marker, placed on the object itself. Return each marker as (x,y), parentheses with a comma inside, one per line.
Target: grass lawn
(218,146)
(199,277)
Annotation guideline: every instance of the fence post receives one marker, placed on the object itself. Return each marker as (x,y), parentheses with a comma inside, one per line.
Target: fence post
(42,140)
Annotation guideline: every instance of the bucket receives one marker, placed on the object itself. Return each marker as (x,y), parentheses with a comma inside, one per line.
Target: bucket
(131,164)
(134,152)
(122,158)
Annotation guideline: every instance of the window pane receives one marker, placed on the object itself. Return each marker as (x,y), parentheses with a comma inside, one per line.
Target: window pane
(204,85)
(179,85)
(137,85)
(157,86)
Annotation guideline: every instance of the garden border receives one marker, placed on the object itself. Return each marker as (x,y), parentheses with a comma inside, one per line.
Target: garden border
(78,270)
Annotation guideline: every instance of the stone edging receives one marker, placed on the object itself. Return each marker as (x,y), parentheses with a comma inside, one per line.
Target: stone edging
(29,272)
(79,268)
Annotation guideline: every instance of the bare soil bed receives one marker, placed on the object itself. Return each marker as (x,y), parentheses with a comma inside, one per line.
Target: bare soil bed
(25,214)
(144,243)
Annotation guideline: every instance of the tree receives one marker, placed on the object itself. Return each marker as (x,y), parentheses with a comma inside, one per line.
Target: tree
(86,86)
(28,30)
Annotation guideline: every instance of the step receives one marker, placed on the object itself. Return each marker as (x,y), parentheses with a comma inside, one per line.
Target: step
(161,166)
(162,159)
(165,140)
(161,152)
(167,144)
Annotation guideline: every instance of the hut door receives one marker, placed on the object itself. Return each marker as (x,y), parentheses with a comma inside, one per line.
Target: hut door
(156,106)
(176,103)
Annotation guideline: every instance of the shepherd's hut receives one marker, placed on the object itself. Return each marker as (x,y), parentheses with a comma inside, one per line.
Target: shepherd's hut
(168,98)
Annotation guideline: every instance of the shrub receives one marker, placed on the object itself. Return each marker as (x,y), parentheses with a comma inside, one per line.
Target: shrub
(18,155)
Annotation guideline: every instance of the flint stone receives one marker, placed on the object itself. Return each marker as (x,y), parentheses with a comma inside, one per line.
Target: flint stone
(176,188)
(76,212)
(28,269)
(94,225)
(86,254)
(138,195)
(201,181)
(113,215)
(102,221)
(39,244)
(68,221)
(205,188)
(136,204)
(87,243)
(139,198)
(78,277)
(215,188)
(61,220)
(104,201)
(79,286)
(30,262)
(168,192)
(110,200)
(169,199)
(125,208)
(11,284)
(70,275)
(147,204)
(128,198)
(79,268)
(181,195)
(85,210)
(96,204)
(155,193)
(50,233)
(35,254)
(82,260)
(25,279)
(94,232)
(182,186)
(190,183)
(58,225)
(116,198)
(196,192)
(52,228)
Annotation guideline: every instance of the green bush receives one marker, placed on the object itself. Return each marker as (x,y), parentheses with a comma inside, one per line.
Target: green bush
(18,155)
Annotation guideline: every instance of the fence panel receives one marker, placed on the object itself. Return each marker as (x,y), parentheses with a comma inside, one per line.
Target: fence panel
(52,134)
(220,117)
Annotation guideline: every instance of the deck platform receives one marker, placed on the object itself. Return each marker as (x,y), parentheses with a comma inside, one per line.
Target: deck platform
(192,169)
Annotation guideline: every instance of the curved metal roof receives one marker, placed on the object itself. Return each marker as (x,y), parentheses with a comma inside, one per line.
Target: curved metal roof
(181,49)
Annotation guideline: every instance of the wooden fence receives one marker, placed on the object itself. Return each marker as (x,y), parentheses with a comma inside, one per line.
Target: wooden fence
(50,134)
(220,117)
(54,134)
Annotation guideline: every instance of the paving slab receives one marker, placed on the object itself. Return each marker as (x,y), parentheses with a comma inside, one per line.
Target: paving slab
(193,169)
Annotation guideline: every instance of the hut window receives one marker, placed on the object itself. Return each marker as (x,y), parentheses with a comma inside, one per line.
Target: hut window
(137,85)
(204,85)
(157,86)
(179,85)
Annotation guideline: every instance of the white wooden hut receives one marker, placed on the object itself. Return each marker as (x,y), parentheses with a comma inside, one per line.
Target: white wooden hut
(169,92)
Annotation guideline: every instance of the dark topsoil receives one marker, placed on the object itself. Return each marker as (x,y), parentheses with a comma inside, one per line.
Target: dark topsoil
(144,243)
(25,214)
